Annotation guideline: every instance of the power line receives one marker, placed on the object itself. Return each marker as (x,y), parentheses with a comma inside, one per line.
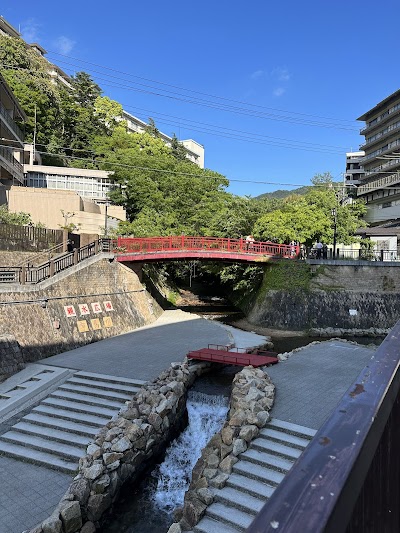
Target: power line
(196,92)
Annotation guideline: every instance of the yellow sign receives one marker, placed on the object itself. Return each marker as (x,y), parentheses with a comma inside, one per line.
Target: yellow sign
(95,323)
(82,326)
(107,322)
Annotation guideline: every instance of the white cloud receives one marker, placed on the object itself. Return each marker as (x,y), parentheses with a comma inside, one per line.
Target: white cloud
(256,74)
(279,91)
(30,30)
(281,74)
(64,45)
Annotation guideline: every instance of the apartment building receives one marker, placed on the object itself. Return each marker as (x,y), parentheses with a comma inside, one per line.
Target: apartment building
(380,184)
(11,141)
(354,169)
(194,150)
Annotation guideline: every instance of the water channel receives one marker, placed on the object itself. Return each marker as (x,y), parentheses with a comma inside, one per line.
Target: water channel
(148,506)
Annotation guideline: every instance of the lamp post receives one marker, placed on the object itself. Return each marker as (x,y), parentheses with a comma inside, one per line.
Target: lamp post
(334,215)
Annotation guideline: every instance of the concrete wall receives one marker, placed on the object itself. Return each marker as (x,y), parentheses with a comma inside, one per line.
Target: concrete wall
(345,297)
(37,317)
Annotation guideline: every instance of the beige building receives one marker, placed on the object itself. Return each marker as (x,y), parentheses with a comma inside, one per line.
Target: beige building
(58,208)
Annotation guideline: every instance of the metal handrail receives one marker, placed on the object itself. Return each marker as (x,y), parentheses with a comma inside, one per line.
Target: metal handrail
(33,275)
(347,477)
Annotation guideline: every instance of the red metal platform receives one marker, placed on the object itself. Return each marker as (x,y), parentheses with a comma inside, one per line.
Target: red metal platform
(234,356)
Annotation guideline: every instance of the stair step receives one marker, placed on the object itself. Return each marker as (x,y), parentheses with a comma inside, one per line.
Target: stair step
(129,389)
(285,438)
(80,407)
(230,516)
(37,457)
(51,433)
(276,448)
(250,486)
(66,451)
(111,379)
(293,429)
(239,500)
(89,420)
(267,459)
(82,389)
(85,398)
(208,525)
(260,473)
(67,425)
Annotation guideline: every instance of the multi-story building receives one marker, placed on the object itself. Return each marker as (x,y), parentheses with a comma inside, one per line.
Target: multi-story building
(354,169)
(11,141)
(380,183)
(194,150)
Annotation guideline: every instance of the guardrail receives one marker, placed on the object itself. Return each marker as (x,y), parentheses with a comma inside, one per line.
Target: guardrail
(347,479)
(32,275)
(355,255)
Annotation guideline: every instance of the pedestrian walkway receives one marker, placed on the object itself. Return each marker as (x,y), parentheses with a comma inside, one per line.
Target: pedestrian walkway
(29,492)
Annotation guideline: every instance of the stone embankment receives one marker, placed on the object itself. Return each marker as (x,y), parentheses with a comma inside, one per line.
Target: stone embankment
(123,449)
(251,400)
(11,358)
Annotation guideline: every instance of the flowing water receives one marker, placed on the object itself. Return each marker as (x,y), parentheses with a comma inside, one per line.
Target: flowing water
(148,507)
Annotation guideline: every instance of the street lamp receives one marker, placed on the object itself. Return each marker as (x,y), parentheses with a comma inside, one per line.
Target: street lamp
(334,215)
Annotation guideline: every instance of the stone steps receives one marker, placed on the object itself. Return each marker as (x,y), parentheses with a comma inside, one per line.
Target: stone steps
(56,432)
(254,478)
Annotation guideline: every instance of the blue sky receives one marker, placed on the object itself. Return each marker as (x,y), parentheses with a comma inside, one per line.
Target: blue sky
(271,89)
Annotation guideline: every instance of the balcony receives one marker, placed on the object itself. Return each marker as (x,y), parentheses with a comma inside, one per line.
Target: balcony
(381,120)
(377,184)
(381,135)
(12,126)
(10,164)
(381,151)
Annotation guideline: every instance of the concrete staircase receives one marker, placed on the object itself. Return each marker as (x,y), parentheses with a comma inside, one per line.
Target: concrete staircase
(56,432)
(255,476)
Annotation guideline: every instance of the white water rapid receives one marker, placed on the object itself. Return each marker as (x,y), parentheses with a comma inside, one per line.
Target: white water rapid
(206,417)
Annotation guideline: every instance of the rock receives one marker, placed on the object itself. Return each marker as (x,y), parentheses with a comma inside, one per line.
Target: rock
(134,432)
(112,433)
(175,528)
(88,527)
(97,504)
(227,464)
(71,517)
(238,418)
(212,461)
(131,413)
(101,484)
(156,421)
(111,457)
(205,495)
(262,418)
(113,466)
(52,524)
(121,445)
(93,471)
(209,473)
(219,481)
(201,483)
(239,446)
(80,489)
(253,395)
(144,409)
(193,510)
(163,408)
(225,450)
(92,449)
(227,435)
(248,432)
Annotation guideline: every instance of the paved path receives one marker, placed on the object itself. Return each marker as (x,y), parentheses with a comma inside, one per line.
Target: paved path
(28,492)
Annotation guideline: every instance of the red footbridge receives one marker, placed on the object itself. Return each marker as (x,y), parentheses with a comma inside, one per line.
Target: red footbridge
(181,248)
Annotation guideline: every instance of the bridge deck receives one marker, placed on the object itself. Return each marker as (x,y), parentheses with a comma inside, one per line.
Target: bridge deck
(233,358)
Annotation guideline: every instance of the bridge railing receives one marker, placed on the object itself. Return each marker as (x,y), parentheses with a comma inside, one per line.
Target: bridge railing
(32,275)
(347,479)
(183,242)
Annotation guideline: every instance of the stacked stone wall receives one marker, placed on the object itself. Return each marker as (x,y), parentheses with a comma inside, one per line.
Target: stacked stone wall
(123,449)
(11,358)
(49,320)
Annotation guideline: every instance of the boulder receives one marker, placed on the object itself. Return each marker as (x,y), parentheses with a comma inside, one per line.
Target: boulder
(71,517)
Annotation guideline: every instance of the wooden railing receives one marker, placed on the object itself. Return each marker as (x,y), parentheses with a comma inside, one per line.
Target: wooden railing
(348,478)
(32,275)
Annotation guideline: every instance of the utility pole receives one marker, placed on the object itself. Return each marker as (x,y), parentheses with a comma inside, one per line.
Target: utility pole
(334,214)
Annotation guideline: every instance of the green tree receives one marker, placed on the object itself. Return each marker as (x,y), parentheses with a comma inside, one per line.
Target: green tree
(85,89)
(177,149)
(151,128)
(17,219)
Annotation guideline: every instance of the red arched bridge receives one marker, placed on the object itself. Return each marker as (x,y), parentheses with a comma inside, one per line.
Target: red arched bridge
(151,249)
